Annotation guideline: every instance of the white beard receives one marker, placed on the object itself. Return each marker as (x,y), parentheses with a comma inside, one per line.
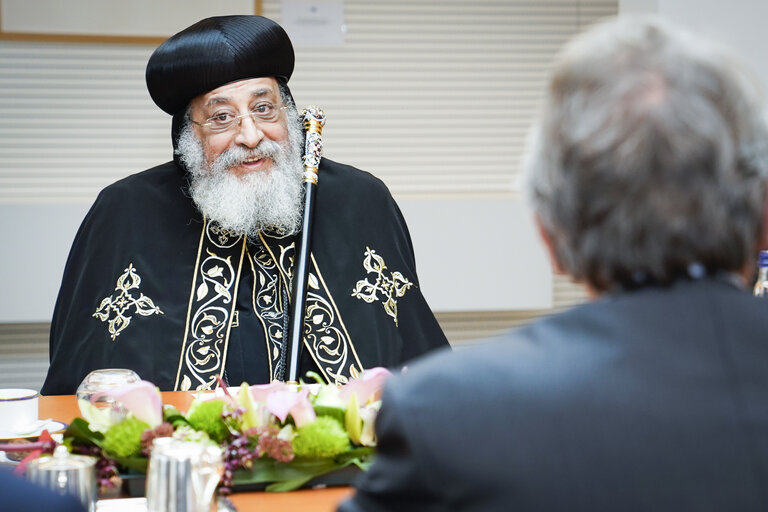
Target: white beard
(257,201)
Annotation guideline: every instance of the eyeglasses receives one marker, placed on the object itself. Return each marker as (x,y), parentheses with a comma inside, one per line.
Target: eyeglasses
(226,120)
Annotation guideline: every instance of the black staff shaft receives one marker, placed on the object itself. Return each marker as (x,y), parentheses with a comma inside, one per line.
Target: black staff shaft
(299,291)
(314,119)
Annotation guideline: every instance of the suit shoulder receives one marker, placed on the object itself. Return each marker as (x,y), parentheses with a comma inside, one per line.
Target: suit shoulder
(438,371)
(521,351)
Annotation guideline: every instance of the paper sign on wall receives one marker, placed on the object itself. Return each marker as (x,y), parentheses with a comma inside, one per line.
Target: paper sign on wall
(314,23)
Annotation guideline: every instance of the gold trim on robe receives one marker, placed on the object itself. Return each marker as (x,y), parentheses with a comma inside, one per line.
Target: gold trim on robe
(211,308)
(325,335)
(213,300)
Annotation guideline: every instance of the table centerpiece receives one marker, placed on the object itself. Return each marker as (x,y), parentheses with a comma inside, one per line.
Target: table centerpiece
(276,436)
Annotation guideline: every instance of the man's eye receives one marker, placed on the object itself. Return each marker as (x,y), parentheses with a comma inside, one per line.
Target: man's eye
(263,108)
(221,117)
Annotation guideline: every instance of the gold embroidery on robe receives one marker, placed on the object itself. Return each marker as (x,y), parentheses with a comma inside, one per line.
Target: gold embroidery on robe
(211,307)
(325,335)
(117,310)
(391,287)
(267,302)
(213,299)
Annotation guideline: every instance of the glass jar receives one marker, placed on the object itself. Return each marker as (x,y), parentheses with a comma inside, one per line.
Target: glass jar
(101,410)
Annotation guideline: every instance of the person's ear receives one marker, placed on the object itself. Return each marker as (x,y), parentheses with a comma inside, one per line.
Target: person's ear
(763,240)
(550,245)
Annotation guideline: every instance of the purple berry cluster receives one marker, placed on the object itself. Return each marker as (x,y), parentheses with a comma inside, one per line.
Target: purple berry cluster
(239,453)
(272,446)
(149,435)
(106,468)
(252,443)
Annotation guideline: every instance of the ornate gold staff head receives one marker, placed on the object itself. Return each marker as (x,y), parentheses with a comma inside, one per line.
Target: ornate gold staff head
(314,119)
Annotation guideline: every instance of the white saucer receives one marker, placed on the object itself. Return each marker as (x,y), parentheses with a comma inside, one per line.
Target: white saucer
(52,427)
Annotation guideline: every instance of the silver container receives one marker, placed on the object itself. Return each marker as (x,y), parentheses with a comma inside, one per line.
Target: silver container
(182,476)
(66,474)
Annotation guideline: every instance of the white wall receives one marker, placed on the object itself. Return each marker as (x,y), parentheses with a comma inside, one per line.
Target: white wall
(739,24)
(478,254)
(37,239)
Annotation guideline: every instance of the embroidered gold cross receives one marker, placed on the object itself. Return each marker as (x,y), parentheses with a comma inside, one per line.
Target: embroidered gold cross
(121,304)
(390,287)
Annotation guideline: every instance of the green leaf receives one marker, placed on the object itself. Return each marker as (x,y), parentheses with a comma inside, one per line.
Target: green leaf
(336,413)
(173,416)
(170,411)
(79,431)
(360,452)
(289,476)
(315,376)
(288,485)
(138,463)
(178,421)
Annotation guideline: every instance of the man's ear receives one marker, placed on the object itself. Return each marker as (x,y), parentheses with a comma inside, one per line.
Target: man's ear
(549,244)
(763,240)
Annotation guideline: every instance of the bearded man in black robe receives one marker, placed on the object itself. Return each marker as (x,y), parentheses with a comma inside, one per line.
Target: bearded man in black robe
(183,272)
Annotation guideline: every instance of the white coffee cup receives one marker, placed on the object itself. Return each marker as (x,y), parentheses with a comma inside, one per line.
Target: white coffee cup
(18,409)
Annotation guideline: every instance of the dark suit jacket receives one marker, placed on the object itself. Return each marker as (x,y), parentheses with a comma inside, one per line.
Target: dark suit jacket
(19,495)
(653,400)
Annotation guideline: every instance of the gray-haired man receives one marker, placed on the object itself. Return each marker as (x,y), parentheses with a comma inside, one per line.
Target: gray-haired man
(647,173)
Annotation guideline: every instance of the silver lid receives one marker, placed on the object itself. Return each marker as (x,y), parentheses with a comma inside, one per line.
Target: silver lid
(61,459)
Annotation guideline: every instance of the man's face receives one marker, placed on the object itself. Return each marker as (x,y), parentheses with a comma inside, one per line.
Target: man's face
(236,99)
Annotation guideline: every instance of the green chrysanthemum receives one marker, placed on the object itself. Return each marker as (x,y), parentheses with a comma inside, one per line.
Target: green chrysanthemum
(324,437)
(206,416)
(123,439)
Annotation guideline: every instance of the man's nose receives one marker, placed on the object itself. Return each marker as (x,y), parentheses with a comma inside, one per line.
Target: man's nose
(249,134)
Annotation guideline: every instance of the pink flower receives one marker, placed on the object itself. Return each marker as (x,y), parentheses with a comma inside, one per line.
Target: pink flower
(260,392)
(367,387)
(141,398)
(282,399)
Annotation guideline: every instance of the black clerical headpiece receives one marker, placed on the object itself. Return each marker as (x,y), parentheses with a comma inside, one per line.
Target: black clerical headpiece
(214,52)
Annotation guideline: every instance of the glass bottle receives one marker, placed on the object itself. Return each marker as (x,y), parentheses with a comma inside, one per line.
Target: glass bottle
(761,285)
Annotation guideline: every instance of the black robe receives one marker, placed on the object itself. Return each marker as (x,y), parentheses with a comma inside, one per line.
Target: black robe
(151,285)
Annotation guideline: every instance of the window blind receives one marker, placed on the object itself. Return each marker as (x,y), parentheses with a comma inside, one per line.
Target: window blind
(433,96)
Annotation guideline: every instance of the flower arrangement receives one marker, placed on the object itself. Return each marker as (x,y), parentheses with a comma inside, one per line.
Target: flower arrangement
(274,434)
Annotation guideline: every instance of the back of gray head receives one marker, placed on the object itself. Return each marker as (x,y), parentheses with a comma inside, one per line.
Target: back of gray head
(650,155)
